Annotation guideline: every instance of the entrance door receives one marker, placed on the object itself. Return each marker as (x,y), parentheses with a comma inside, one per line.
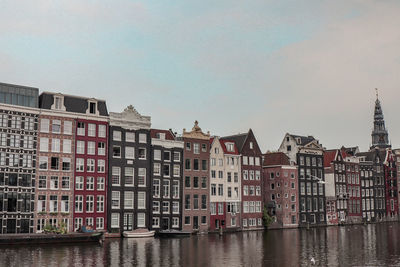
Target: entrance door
(165,223)
(195,222)
(128,221)
(11,226)
(216,224)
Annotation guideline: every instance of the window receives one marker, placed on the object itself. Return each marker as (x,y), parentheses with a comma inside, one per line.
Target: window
(141,177)
(187,164)
(196,148)
(142,153)
(203,202)
(166,171)
(203,147)
(44,144)
(91,129)
(129,152)
(245,175)
(53,204)
(80,128)
(188,146)
(42,182)
(80,163)
(156,188)
(157,169)
(43,163)
(187,202)
(79,182)
(129,173)
(130,137)
(142,138)
(166,185)
(204,165)
(156,222)
(187,181)
(116,175)
(220,190)
(41,204)
(141,200)
(116,151)
(92,107)
(128,200)
(55,145)
(44,125)
(100,183)
(101,165)
(64,182)
(196,164)
(115,199)
(56,126)
(141,220)
(91,148)
(100,204)
(175,189)
(89,203)
(66,146)
(78,203)
(102,130)
(89,183)
(68,127)
(101,149)
(90,165)
(220,174)
(157,154)
(54,182)
(175,222)
(177,156)
(203,182)
(165,207)
(116,135)
(114,220)
(80,147)
(167,156)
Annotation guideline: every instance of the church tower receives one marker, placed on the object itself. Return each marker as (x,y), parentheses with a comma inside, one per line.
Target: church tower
(380,136)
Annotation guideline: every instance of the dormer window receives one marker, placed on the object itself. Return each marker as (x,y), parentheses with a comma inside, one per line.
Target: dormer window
(160,136)
(92,107)
(298,140)
(58,102)
(229,147)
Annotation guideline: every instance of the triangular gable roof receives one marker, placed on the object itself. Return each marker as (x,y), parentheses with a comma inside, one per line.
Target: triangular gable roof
(240,140)
(329,156)
(313,144)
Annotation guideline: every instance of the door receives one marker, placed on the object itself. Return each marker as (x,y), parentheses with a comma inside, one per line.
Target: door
(216,224)
(11,226)
(128,221)
(165,223)
(195,222)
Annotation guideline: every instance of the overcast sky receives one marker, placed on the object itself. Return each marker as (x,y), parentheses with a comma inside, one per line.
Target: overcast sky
(303,67)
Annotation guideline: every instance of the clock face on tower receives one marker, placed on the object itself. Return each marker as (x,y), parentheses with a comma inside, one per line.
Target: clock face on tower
(381,139)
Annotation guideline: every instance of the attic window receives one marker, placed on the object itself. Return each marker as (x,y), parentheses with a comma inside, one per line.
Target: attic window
(58,102)
(287,138)
(298,140)
(229,147)
(251,145)
(160,136)
(92,107)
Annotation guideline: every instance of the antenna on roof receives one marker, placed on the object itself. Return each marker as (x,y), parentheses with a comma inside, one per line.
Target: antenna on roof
(376,89)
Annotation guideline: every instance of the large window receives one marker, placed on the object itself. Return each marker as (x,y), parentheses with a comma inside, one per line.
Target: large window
(129,152)
(129,173)
(116,175)
(175,189)
(115,199)
(142,177)
(80,147)
(156,188)
(91,148)
(141,200)
(91,129)
(102,130)
(89,203)
(128,200)
(166,186)
(56,126)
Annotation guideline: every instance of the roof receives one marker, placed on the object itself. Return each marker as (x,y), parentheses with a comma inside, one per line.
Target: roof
(224,148)
(304,140)
(329,156)
(239,139)
(168,134)
(275,158)
(75,104)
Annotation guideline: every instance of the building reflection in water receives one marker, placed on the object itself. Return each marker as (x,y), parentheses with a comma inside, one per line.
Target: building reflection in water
(360,245)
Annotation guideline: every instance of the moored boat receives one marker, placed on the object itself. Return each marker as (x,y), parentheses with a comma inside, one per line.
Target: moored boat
(174,233)
(50,238)
(138,233)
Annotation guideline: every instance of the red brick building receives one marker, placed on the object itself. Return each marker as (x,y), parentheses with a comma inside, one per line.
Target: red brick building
(196,155)
(252,208)
(280,189)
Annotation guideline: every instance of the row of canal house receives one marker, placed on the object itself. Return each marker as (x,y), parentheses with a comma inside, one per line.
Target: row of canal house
(66,160)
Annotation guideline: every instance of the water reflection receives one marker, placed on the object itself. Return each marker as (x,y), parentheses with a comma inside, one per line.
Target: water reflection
(372,245)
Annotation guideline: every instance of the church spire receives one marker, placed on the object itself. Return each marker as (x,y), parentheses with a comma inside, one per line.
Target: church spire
(380,136)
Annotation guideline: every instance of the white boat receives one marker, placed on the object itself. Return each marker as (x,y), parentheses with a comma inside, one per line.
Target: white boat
(138,233)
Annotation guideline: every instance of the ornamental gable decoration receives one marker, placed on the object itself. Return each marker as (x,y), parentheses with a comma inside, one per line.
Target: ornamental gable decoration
(196,133)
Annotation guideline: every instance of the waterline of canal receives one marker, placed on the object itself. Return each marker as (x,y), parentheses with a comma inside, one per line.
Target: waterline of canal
(358,245)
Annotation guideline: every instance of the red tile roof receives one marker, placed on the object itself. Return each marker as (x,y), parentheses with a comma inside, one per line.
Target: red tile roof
(168,134)
(329,156)
(276,158)
(223,144)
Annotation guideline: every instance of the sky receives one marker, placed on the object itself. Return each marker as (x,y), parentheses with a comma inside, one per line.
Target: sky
(303,67)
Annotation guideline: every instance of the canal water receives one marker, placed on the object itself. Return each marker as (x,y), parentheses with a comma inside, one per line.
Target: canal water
(361,245)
